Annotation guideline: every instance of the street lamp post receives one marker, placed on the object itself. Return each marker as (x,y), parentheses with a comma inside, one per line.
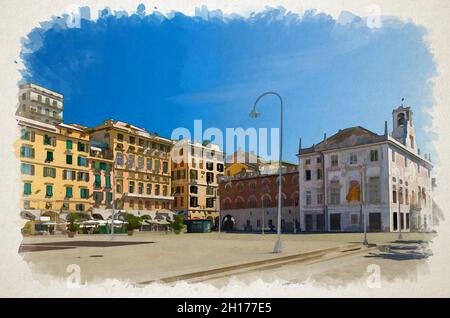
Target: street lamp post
(399,217)
(363,212)
(113,201)
(254,114)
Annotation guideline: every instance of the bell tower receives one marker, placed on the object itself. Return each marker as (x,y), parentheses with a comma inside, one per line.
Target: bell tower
(403,127)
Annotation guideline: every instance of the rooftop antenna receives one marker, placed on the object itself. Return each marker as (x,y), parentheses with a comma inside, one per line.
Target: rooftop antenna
(385,128)
(403,99)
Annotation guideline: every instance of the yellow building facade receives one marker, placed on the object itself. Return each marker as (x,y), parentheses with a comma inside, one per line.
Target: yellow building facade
(142,166)
(53,167)
(196,169)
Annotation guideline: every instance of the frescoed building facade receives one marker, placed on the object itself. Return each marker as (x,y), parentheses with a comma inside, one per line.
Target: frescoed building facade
(141,165)
(195,177)
(250,201)
(358,177)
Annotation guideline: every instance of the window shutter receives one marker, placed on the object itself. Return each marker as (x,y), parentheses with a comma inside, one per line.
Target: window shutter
(64,174)
(53,141)
(32,136)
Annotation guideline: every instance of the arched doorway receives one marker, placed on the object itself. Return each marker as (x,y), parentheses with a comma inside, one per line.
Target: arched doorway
(228,223)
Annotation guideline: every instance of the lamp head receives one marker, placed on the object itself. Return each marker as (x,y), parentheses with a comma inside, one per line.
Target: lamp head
(254,113)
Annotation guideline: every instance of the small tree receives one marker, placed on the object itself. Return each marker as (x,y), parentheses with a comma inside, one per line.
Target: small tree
(177,224)
(72,226)
(133,222)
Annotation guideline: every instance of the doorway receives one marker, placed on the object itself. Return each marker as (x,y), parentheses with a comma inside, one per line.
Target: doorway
(335,221)
(375,222)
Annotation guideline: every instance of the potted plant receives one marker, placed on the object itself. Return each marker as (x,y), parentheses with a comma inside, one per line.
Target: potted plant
(133,223)
(177,224)
(72,227)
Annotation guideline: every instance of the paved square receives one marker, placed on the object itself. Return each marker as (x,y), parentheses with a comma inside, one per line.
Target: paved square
(149,256)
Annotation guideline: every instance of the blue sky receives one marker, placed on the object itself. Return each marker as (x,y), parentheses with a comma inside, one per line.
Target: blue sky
(162,73)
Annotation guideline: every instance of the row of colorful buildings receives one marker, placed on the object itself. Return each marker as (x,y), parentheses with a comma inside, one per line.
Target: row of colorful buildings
(68,168)
(352,178)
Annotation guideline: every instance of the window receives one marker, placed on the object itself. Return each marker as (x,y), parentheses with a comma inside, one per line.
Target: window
(319,160)
(209,177)
(252,203)
(220,167)
(308,175)
(193,189)
(119,159)
(83,176)
(149,188)
(193,202)
(26,152)
(119,137)
(140,188)
(27,135)
(69,159)
(374,155)
(193,174)
(84,193)
(149,164)
(69,193)
(319,174)
(82,161)
(307,161)
(108,182)
(97,181)
(130,162)
(209,202)
(319,197)
(97,196)
(119,186)
(140,163)
(49,156)
(165,167)
(334,160)
(68,175)
(55,103)
(209,165)
(308,197)
(108,197)
(131,187)
(132,140)
(81,146)
(47,100)
(79,207)
(48,191)
(157,189)
(141,142)
(335,192)
(47,112)
(353,159)
(266,202)
(157,165)
(27,188)
(27,169)
(394,194)
(354,219)
(374,190)
(49,172)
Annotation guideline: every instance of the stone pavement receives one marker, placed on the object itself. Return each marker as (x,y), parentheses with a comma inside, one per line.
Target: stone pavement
(150,256)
